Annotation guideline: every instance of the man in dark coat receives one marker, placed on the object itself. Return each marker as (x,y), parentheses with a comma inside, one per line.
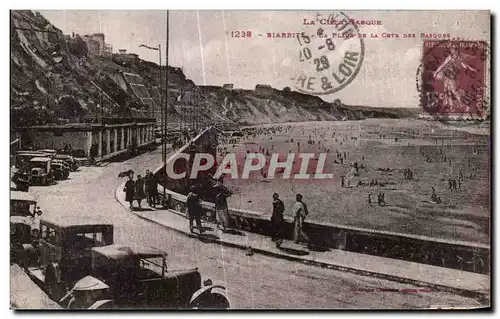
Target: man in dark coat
(152,187)
(140,189)
(130,189)
(194,209)
(277,220)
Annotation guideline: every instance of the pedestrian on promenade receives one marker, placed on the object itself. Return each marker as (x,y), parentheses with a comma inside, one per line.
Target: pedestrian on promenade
(277,220)
(130,189)
(146,180)
(221,209)
(299,212)
(140,190)
(194,209)
(152,188)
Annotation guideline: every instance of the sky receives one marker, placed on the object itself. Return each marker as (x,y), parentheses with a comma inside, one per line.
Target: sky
(202,43)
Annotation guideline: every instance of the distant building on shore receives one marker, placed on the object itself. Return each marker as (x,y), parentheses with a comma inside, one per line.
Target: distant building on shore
(264,89)
(96,44)
(128,57)
(228,86)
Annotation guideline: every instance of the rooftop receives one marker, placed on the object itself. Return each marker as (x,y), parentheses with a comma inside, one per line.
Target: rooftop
(22,196)
(117,251)
(75,220)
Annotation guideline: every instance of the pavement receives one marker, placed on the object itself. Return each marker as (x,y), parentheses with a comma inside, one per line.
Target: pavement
(25,294)
(438,278)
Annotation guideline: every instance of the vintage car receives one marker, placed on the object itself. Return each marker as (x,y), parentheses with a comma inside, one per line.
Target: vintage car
(23,226)
(24,157)
(60,170)
(137,277)
(23,212)
(62,254)
(70,160)
(21,179)
(50,152)
(41,171)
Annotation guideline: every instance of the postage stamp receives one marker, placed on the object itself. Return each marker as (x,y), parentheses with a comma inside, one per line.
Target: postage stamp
(454,78)
(331,57)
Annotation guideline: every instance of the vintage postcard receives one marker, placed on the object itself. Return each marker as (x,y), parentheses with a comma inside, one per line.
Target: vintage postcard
(250,159)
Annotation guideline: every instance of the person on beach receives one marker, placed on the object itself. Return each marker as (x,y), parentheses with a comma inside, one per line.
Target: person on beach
(130,189)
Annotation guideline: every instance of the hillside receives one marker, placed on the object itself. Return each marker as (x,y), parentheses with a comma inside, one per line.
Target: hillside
(82,86)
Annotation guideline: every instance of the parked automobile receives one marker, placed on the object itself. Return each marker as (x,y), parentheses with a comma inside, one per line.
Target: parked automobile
(138,278)
(63,253)
(52,153)
(24,157)
(59,170)
(41,171)
(23,227)
(70,160)
(21,179)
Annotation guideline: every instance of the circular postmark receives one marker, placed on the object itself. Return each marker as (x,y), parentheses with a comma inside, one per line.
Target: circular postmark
(453,78)
(330,57)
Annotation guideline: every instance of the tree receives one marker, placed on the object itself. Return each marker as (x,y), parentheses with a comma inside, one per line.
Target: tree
(287,89)
(69,107)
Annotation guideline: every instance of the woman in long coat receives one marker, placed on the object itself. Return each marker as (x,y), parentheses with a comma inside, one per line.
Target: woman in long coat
(221,209)
(140,189)
(130,189)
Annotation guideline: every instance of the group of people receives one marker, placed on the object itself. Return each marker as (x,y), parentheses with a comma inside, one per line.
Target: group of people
(300,213)
(380,199)
(142,188)
(195,209)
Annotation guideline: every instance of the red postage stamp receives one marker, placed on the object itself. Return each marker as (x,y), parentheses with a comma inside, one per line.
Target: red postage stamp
(454,78)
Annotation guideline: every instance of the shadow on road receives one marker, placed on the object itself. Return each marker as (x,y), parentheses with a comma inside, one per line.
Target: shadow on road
(142,209)
(208,237)
(317,248)
(234,232)
(293,251)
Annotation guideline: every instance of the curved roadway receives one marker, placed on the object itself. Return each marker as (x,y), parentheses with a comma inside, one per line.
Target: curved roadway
(253,281)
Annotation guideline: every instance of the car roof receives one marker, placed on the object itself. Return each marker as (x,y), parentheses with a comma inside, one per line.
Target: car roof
(63,156)
(22,196)
(118,251)
(29,153)
(41,159)
(47,150)
(74,221)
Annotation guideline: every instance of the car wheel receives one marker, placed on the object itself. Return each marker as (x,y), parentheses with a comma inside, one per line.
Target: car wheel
(213,300)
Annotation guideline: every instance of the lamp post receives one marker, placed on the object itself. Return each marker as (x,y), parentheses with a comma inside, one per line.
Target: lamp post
(163,119)
(166,115)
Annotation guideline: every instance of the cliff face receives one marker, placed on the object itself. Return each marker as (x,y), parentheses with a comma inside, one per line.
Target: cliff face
(54,78)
